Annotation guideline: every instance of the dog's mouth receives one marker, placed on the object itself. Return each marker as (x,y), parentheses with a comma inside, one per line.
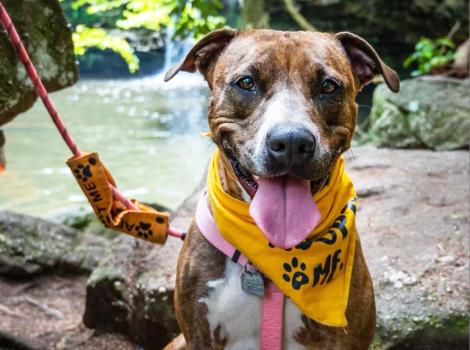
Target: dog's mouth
(246,180)
(249,182)
(281,206)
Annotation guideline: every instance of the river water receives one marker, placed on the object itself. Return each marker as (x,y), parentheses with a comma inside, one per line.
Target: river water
(148,134)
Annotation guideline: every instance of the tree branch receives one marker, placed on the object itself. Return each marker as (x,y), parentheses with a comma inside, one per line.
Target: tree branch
(298,17)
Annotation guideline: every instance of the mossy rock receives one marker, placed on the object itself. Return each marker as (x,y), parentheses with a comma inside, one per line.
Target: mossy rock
(131,291)
(85,220)
(426,113)
(30,246)
(47,38)
(432,332)
(88,223)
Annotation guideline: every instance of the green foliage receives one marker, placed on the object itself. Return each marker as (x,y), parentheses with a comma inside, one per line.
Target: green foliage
(189,18)
(430,55)
(94,21)
(85,38)
(78,13)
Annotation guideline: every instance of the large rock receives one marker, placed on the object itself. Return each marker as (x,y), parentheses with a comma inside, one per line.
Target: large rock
(131,291)
(47,38)
(30,246)
(426,113)
(413,222)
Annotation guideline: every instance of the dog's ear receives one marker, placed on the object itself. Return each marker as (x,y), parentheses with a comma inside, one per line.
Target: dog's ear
(203,54)
(365,61)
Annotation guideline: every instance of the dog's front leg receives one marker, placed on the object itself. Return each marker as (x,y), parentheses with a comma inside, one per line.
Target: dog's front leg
(199,263)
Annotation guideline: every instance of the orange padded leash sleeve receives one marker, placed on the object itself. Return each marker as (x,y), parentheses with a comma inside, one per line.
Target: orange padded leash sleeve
(94,180)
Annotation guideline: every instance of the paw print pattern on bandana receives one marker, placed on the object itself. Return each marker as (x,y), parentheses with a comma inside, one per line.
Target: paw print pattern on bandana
(143,230)
(295,273)
(83,172)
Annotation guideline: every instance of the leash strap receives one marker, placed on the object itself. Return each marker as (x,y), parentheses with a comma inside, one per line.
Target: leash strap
(120,213)
(272,317)
(273,301)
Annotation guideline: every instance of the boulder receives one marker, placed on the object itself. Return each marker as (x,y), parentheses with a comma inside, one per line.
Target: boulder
(47,37)
(428,112)
(29,246)
(85,220)
(131,290)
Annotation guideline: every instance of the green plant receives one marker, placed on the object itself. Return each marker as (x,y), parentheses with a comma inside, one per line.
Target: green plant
(430,55)
(100,23)
(85,38)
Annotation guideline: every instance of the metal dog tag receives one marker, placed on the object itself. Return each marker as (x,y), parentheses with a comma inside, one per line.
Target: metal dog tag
(252,282)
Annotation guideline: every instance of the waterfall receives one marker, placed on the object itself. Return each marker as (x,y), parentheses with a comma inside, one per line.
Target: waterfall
(175,51)
(170,48)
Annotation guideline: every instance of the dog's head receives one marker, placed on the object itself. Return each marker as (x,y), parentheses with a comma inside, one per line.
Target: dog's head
(283,103)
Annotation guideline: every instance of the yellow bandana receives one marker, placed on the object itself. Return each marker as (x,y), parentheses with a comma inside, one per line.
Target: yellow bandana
(315,274)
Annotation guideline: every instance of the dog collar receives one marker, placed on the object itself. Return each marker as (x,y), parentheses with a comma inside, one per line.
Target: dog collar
(206,224)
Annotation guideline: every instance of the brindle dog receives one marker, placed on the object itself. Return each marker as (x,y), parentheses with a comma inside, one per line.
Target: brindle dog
(283,103)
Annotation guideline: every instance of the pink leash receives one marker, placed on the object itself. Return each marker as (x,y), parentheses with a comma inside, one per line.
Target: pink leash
(42,93)
(272,318)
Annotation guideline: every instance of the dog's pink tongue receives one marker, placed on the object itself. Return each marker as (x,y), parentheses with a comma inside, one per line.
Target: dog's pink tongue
(284,210)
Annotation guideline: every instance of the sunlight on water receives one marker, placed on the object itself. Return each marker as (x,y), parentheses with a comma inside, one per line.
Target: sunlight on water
(146,132)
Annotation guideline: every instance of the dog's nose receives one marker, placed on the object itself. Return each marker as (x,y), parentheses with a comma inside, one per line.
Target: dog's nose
(290,144)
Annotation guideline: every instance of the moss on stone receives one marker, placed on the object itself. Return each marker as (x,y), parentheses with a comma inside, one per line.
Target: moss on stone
(427,113)
(47,38)
(29,246)
(443,332)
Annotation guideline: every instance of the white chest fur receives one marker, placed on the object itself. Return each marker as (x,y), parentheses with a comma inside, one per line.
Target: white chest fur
(238,314)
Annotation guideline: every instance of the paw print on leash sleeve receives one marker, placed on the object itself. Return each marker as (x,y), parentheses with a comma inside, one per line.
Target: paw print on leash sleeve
(144,230)
(83,172)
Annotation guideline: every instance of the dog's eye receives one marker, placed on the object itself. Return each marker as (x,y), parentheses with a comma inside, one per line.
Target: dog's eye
(246,83)
(329,86)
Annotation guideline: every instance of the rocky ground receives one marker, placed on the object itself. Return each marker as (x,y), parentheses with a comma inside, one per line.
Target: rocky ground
(413,220)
